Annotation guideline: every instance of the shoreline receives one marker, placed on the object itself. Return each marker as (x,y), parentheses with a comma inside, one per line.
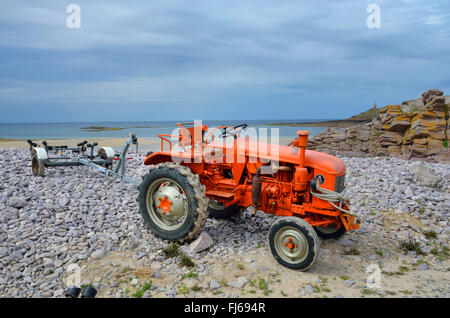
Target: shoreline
(147,143)
(340,123)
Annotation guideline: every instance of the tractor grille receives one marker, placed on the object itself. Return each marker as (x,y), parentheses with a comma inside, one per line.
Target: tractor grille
(339,183)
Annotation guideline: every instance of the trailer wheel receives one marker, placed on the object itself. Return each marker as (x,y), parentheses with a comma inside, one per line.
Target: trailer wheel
(294,243)
(330,231)
(172,202)
(218,210)
(37,166)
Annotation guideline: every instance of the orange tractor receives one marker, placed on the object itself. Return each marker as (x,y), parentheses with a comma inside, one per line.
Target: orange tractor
(202,174)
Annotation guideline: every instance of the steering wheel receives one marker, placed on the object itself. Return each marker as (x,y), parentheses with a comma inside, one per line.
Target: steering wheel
(232,131)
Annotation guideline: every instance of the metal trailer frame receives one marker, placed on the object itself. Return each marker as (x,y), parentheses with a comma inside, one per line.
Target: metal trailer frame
(103,161)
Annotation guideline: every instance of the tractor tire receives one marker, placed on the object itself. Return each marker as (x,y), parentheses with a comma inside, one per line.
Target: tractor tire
(37,166)
(331,231)
(183,205)
(294,243)
(217,210)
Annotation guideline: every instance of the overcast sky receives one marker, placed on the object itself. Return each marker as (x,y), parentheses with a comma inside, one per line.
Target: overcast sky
(214,59)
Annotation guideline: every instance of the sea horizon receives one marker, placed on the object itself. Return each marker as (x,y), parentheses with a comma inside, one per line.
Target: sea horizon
(149,129)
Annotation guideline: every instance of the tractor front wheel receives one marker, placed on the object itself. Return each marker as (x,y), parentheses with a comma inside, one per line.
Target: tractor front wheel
(172,202)
(218,210)
(294,243)
(330,231)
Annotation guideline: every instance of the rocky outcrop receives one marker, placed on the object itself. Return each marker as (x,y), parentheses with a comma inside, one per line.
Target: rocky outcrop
(415,129)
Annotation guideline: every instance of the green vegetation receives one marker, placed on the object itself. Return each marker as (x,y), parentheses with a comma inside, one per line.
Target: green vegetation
(172,250)
(368,114)
(344,277)
(392,273)
(140,292)
(353,251)
(196,288)
(392,293)
(7,139)
(377,133)
(283,293)
(101,128)
(403,269)
(440,254)
(410,245)
(262,283)
(183,290)
(186,261)
(367,291)
(240,266)
(191,274)
(445,143)
(379,252)
(83,286)
(430,234)
(323,280)
(420,261)
(406,292)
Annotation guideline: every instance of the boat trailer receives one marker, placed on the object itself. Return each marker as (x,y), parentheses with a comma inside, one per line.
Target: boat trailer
(105,160)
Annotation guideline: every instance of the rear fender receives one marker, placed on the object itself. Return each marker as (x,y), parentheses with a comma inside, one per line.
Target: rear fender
(157,157)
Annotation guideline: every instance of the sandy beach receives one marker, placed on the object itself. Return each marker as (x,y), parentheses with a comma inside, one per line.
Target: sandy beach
(153,144)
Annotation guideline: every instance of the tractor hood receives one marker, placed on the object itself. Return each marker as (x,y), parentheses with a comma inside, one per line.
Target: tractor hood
(262,151)
(287,154)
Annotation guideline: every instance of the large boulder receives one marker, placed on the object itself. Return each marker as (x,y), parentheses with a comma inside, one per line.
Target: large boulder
(424,175)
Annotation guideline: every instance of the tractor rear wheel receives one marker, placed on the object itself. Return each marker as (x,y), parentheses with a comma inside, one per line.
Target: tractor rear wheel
(37,166)
(294,243)
(172,202)
(218,210)
(330,231)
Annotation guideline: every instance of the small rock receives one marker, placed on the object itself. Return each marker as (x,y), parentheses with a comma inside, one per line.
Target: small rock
(349,282)
(239,283)
(309,289)
(17,255)
(17,202)
(422,267)
(203,242)
(214,285)
(156,265)
(345,242)
(98,254)
(156,274)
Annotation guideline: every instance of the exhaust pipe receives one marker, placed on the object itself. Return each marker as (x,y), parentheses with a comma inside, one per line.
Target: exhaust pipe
(301,173)
(302,143)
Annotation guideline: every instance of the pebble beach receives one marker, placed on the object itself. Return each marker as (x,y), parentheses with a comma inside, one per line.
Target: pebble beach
(77,216)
